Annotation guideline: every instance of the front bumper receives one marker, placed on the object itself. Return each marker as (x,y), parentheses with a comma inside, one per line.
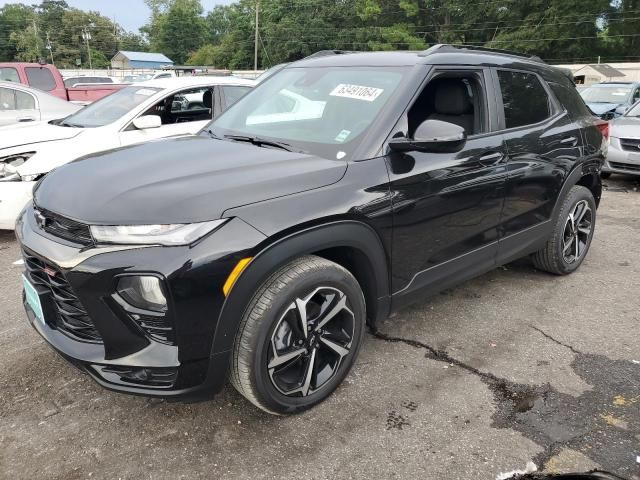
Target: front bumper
(621,161)
(14,196)
(125,357)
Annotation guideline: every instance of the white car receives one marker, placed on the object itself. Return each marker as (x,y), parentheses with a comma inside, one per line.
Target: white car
(138,113)
(22,104)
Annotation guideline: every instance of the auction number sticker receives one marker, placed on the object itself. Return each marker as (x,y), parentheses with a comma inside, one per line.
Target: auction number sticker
(357,92)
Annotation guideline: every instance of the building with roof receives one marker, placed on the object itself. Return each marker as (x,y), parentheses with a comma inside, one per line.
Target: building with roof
(129,60)
(602,72)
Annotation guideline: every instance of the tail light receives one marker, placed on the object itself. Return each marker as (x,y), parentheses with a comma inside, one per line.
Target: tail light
(604,128)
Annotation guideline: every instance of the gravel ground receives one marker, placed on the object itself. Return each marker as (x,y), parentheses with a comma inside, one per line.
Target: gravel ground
(514,366)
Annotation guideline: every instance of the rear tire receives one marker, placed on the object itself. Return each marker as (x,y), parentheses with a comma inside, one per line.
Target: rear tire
(299,336)
(572,234)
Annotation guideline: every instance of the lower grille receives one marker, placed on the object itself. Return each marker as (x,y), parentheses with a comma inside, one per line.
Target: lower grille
(71,317)
(630,144)
(157,327)
(148,377)
(625,166)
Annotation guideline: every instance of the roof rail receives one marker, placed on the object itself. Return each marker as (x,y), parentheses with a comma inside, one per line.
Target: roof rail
(445,47)
(326,53)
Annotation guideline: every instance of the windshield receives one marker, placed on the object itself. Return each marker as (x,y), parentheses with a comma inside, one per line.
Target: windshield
(109,109)
(323,111)
(602,94)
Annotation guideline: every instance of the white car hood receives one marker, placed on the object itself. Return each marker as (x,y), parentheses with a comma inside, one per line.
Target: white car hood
(31,133)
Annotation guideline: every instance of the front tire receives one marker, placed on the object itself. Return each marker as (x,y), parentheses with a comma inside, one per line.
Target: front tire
(572,234)
(605,175)
(299,336)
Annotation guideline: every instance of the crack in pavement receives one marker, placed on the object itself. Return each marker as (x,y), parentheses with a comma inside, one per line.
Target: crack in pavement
(594,423)
(554,340)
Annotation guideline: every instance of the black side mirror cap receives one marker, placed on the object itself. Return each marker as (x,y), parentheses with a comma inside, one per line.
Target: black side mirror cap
(433,136)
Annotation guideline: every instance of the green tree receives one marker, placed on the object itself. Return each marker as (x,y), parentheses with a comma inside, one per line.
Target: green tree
(177,27)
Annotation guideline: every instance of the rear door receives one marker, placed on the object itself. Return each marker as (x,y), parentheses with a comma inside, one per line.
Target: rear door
(543,144)
(17,106)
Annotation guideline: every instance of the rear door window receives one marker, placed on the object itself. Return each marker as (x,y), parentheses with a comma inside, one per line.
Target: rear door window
(9,74)
(524,99)
(40,78)
(11,99)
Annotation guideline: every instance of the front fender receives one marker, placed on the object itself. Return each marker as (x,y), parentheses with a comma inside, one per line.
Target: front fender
(347,233)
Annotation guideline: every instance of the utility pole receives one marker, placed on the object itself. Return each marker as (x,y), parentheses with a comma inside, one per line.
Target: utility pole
(87,36)
(35,34)
(50,48)
(255,50)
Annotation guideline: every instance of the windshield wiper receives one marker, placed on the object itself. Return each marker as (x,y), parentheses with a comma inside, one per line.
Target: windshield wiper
(262,142)
(67,124)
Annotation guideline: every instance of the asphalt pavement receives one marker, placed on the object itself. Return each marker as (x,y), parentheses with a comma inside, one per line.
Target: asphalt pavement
(515,366)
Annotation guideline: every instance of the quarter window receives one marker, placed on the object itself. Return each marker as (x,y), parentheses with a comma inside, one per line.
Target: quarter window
(40,78)
(524,98)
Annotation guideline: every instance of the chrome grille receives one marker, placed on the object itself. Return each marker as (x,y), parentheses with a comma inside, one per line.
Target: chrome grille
(63,227)
(630,144)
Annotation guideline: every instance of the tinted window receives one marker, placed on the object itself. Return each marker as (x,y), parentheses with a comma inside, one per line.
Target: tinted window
(525,99)
(9,74)
(40,78)
(571,100)
(233,94)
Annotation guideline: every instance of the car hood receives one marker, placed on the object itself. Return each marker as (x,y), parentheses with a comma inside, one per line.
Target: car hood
(625,127)
(32,133)
(600,108)
(179,180)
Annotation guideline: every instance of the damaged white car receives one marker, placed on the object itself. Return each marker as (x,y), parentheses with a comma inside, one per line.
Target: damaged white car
(139,113)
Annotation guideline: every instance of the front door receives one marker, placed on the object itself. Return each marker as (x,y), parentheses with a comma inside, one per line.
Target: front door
(447,206)
(182,113)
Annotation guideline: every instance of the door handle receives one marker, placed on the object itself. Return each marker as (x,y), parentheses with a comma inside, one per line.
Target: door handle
(26,119)
(493,158)
(573,141)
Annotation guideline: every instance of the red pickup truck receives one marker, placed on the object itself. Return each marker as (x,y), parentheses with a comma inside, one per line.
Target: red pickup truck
(48,78)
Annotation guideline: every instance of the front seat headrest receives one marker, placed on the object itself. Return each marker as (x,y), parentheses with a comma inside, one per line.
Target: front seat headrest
(207,99)
(452,98)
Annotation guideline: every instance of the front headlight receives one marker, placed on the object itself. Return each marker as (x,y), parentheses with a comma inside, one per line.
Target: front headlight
(9,166)
(170,235)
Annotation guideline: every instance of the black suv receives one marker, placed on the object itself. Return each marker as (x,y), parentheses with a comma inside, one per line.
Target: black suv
(341,189)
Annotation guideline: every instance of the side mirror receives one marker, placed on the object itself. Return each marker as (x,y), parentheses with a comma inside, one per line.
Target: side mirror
(621,110)
(147,121)
(432,136)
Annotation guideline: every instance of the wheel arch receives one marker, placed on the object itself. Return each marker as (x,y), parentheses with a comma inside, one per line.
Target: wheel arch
(586,175)
(352,244)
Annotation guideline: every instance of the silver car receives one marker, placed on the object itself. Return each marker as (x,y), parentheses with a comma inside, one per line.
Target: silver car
(624,147)
(19,103)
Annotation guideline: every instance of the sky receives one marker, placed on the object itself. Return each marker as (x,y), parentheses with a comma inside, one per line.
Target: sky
(130,14)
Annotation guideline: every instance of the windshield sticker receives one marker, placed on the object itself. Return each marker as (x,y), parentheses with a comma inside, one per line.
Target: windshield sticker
(343,135)
(357,92)
(145,91)
(341,155)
